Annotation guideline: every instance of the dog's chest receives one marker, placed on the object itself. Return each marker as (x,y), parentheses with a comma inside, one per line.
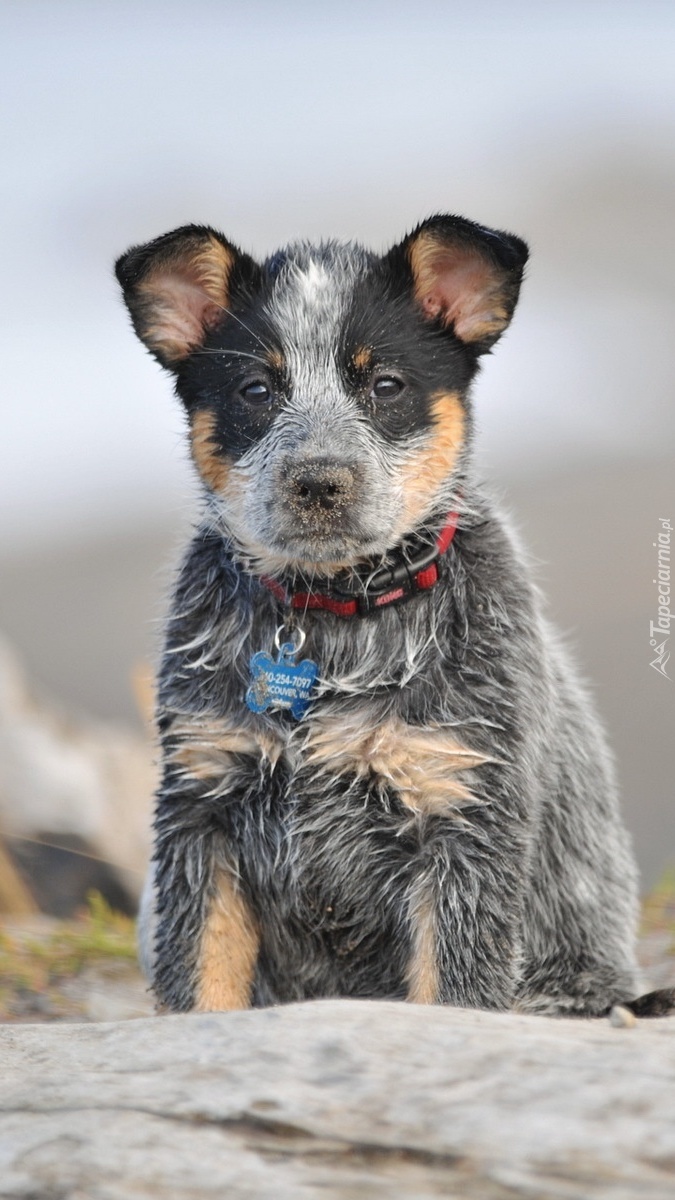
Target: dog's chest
(350,777)
(361,743)
(357,769)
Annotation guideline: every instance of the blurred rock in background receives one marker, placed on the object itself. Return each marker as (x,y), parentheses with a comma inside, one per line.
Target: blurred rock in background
(75,803)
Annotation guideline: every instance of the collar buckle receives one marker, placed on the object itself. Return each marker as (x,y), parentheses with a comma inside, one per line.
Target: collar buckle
(374,590)
(392,585)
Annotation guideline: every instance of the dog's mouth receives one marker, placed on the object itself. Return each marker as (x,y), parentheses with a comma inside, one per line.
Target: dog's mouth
(319,547)
(342,544)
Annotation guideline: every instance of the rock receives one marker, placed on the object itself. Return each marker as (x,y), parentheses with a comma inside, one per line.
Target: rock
(75,798)
(360,1100)
(622,1018)
(112,991)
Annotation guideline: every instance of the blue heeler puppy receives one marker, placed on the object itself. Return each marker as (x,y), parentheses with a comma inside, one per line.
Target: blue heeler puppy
(381,777)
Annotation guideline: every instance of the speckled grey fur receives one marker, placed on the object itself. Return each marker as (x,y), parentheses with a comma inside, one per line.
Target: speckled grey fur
(533,884)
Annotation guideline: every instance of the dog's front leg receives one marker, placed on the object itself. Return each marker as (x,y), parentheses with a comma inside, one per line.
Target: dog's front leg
(205,931)
(464,918)
(206,936)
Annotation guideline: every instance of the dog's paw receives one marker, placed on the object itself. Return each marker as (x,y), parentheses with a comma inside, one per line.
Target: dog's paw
(660,1003)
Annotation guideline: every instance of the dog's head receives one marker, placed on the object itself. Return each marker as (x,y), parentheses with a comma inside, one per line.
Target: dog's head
(326,388)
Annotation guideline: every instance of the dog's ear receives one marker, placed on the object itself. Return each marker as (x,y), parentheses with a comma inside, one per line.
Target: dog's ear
(463,275)
(180,286)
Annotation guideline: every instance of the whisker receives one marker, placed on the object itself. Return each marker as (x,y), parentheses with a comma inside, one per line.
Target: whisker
(243,324)
(235,353)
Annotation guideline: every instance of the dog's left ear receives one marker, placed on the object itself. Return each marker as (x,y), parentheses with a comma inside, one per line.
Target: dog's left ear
(463,275)
(180,286)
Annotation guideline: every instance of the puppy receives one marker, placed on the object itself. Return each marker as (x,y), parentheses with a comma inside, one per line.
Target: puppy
(381,777)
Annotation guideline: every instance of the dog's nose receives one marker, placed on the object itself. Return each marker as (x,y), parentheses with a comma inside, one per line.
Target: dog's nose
(321,483)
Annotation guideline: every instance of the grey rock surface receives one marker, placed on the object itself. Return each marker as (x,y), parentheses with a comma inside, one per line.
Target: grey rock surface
(344,1099)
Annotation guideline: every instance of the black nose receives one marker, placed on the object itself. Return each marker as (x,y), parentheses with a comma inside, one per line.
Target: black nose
(320,483)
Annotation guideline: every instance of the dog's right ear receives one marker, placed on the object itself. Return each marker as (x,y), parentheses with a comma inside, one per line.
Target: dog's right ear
(179,287)
(464,277)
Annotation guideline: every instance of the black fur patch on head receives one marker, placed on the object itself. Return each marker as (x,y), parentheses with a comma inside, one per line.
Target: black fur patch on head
(244,350)
(275,263)
(384,318)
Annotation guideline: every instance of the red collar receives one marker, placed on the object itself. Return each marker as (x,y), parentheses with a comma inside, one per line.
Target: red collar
(368,593)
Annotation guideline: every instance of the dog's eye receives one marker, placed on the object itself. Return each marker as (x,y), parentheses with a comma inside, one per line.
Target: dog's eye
(256,392)
(385,387)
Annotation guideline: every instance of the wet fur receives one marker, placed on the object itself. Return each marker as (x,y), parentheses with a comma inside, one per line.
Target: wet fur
(443,824)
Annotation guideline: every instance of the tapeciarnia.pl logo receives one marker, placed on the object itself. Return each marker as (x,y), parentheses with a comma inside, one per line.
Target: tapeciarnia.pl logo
(661,627)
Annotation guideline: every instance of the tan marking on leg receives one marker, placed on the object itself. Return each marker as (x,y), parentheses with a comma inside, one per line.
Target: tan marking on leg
(422,972)
(204,746)
(213,468)
(424,474)
(423,764)
(228,951)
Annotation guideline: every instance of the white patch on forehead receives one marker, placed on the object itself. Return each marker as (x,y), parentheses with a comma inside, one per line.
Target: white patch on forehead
(308,305)
(312,294)
(313,281)
(307,308)
(314,289)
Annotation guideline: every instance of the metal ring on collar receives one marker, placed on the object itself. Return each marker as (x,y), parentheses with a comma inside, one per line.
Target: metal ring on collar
(289,640)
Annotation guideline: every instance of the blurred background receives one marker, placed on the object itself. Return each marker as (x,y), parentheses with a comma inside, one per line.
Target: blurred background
(123,120)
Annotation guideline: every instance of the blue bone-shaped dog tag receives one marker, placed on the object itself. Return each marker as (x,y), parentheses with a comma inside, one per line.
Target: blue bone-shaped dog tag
(281,684)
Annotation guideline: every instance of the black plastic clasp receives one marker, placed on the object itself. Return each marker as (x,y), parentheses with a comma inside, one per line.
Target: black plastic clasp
(402,575)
